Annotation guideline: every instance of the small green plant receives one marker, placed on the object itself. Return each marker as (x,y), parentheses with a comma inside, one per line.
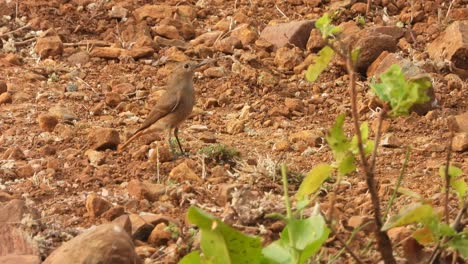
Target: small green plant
(220,243)
(401,94)
(53,77)
(219,153)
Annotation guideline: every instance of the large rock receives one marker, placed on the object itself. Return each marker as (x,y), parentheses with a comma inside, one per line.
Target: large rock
(49,44)
(15,210)
(103,138)
(452,45)
(107,243)
(16,241)
(371,46)
(296,33)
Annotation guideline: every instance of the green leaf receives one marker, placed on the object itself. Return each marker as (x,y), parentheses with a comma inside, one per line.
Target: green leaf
(314,180)
(342,147)
(325,26)
(336,137)
(460,243)
(459,186)
(324,57)
(400,93)
(355,55)
(192,258)
(277,252)
(368,144)
(453,171)
(308,235)
(223,244)
(347,165)
(414,213)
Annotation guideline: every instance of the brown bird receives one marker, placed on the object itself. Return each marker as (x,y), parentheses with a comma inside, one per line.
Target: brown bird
(174,106)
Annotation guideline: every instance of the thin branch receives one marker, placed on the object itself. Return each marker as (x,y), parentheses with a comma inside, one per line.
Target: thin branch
(378,135)
(368,7)
(399,180)
(15,30)
(447,179)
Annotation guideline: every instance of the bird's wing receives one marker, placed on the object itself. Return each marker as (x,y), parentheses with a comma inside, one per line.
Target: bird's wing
(165,105)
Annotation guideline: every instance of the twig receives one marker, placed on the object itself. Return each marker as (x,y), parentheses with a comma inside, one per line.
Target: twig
(281,12)
(399,180)
(457,225)
(447,178)
(25,42)
(448,11)
(96,44)
(15,30)
(383,112)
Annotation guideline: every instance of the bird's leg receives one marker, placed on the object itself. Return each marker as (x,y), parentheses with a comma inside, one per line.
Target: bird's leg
(176,134)
(169,142)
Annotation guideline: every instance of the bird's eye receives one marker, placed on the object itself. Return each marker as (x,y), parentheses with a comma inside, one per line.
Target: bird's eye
(186,66)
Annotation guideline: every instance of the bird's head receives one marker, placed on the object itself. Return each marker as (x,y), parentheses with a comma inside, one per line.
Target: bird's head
(187,68)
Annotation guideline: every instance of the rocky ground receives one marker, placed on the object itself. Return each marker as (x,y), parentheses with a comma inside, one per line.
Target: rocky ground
(79,76)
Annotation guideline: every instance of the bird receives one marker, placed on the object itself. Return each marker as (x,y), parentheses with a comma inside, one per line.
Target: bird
(174,106)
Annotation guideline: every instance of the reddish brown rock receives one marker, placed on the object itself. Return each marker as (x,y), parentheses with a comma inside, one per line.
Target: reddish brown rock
(460,123)
(452,45)
(153,11)
(15,210)
(103,138)
(113,99)
(123,88)
(47,122)
(106,52)
(49,44)
(5,98)
(167,31)
(160,235)
(123,222)
(107,243)
(183,172)
(113,213)
(296,33)
(228,45)
(245,33)
(81,58)
(286,58)
(140,228)
(371,46)
(16,241)
(3,87)
(460,142)
(96,206)
(315,41)
(145,190)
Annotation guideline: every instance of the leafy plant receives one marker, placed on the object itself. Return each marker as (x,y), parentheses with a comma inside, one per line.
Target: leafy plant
(220,243)
(219,153)
(400,93)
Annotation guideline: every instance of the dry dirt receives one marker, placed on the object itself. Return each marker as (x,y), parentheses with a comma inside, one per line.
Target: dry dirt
(63,177)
